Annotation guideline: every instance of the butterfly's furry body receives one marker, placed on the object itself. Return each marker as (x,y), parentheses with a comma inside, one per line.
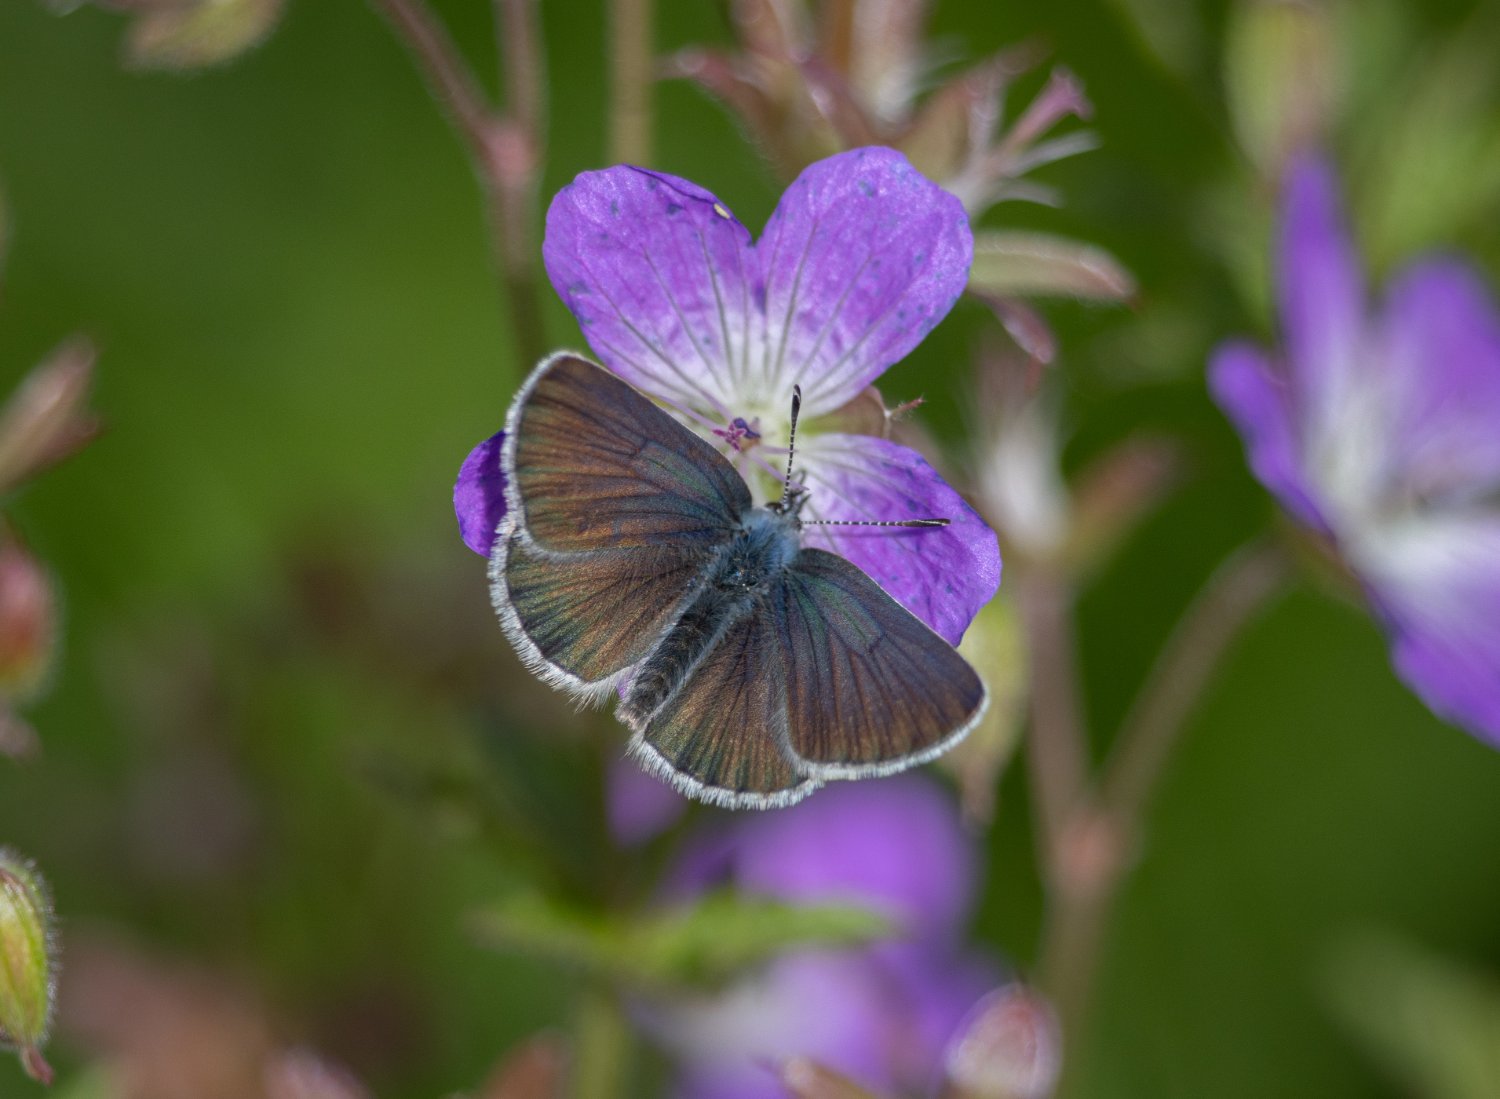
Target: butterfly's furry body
(738,577)
(632,561)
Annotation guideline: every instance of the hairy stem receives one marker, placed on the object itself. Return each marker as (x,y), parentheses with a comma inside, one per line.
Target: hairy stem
(503,148)
(1246,579)
(447,75)
(1056,746)
(1097,842)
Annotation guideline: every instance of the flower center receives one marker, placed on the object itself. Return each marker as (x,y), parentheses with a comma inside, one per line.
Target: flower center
(740,434)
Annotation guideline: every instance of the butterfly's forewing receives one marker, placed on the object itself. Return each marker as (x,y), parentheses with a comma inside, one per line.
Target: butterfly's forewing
(592,464)
(614,508)
(870,688)
(722,736)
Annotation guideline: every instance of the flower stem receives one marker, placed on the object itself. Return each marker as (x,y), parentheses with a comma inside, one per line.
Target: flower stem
(1096,843)
(601,1047)
(1056,746)
(504,148)
(1246,579)
(631,81)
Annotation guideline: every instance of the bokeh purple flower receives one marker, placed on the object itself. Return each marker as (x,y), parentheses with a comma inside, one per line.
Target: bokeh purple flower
(860,260)
(882,1014)
(1380,429)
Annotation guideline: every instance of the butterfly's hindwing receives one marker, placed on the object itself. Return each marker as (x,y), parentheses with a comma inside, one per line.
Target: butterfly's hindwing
(722,735)
(592,614)
(870,688)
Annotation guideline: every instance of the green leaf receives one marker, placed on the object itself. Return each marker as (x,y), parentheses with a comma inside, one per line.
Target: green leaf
(1428,146)
(705,943)
(1433,1024)
(1020,264)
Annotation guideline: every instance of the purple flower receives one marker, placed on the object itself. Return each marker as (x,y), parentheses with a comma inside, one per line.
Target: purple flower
(1380,429)
(860,260)
(881,1015)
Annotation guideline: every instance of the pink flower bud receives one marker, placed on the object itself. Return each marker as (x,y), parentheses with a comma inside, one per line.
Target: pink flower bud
(1011,1048)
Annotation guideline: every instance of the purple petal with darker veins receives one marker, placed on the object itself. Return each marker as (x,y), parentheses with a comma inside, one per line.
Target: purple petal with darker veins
(658,273)
(479,495)
(1247,388)
(1321,291)
(863,256)
(892,844)
(1440,343)
(861,259)
(942,575)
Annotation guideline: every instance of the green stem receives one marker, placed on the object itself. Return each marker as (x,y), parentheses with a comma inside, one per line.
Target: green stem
(601,1047)
(632,81)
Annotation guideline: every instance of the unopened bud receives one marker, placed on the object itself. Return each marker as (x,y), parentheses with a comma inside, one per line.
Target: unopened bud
(45,420)
(1009,1048)
(1281,72)
(28,620)
(27,963)
(195,35)
(302,1074)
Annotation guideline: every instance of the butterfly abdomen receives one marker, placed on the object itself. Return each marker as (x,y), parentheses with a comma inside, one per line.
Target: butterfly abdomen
(739,575)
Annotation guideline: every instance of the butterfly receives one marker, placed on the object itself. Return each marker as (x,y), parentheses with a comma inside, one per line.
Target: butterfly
(750,669)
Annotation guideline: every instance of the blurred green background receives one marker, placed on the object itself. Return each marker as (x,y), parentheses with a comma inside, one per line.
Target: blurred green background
(276,647)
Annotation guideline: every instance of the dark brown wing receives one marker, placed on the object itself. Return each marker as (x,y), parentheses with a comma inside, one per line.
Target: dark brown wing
(722,736)
(614,510)
(594,465)
(589,615)
(870,688)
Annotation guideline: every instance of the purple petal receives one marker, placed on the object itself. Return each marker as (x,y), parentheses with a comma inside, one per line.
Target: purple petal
(1441,346)
(656,270)
(936,987)
(706,862)
(893,844)
(1438,583)
(833,1007)
(942,575)
(479,495)
(1247,388)
(1321,291)
(863,256)
(639,806)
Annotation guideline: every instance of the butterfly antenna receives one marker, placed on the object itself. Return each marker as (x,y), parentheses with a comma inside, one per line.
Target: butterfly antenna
(791,446)
(876,522)
(786,495)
